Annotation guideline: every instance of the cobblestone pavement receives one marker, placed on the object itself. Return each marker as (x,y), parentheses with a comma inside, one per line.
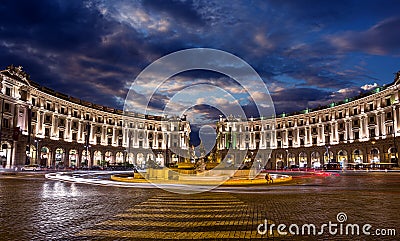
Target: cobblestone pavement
(33,208)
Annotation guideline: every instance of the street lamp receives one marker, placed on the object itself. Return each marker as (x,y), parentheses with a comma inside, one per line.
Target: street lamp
(394,134)
(37,149)
(328,155)
(287,158)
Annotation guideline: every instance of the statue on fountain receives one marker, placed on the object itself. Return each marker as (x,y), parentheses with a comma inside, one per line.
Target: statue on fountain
(200,163)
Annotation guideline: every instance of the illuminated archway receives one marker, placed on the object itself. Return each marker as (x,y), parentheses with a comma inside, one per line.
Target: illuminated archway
(315,160)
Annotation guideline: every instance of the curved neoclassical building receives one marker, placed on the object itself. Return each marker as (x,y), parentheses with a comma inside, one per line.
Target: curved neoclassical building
(41,126)
(357,132)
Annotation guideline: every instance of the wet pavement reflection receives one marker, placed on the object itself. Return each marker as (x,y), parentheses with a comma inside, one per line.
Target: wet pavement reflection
(34,208)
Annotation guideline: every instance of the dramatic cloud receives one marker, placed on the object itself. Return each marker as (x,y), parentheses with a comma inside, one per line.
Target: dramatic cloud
(308,52)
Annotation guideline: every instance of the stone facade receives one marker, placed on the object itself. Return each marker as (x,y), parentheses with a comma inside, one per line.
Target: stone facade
(41,126)
(361,131)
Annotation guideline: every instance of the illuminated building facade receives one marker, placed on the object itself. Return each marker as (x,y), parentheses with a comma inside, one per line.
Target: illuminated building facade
(357,132)
(41,126)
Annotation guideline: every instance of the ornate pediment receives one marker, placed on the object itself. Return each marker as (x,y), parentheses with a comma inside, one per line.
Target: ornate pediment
(19,72)
(397,78)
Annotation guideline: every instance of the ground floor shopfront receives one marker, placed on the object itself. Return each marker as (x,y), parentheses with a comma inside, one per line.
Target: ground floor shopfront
(60,154)
(379,154)
(373,154)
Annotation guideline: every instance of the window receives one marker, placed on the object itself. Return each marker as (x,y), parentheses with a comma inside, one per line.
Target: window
(388,115)
(356,135)
(290,143)
(313,120)
(7,106)
(341,137)
(140,143)
(341,125)
(47,132)
(62,110)
(48,106)
(355,123)
(327,118)
(355,111)
(372,132)
(327,128)
(33,101)
(87,116)
(388,102)
(314,141)
(340,115)
(371,106)
(371,119)
(389,130)
(301,142)
(75,113)
(74,136)
(62,122)
(6,123)
(290,133)
(8,91)
(98,140)
(61,134)
(109,141)
(314,130)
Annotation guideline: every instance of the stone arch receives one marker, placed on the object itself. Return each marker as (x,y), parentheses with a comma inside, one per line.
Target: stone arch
(86,157)
(160,159)
(73,157)
(341,158)
(45,156)
(59,157)
(131,158)
(357,156)
(109,158)
(315,159)
(373,155)
(328,156)
(291,159)
(302,159)
(119,157)
(97,158)
(140,161)
(5,154)
(279,161)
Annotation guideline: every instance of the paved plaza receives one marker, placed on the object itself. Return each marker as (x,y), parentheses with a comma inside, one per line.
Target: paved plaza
(33,208)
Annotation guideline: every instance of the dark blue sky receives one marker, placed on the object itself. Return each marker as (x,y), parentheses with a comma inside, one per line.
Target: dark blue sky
(307,52)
